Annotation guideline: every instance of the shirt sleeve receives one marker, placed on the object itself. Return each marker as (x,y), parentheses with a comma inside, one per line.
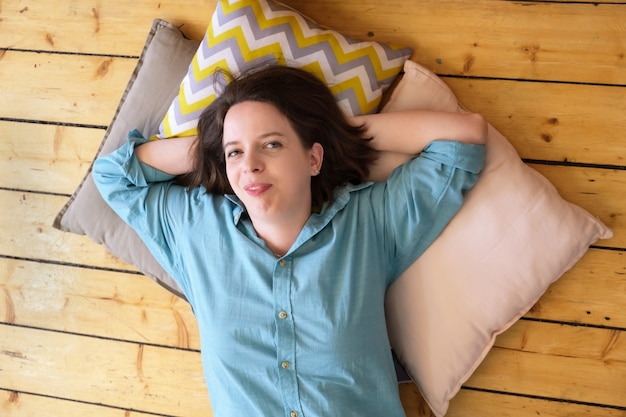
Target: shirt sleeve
(138,193)
(424,194)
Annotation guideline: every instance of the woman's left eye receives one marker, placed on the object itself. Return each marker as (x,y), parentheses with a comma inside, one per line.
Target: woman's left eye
(273,145)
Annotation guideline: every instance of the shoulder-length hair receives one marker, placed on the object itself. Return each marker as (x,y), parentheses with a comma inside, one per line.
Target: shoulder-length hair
(312,111)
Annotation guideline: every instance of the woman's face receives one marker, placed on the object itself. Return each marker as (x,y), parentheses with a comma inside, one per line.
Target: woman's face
(266,164)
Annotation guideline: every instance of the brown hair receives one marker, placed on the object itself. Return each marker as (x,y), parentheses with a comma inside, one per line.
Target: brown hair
(312,111)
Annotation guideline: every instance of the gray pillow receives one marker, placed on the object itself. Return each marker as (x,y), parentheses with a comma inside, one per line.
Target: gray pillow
(152,87)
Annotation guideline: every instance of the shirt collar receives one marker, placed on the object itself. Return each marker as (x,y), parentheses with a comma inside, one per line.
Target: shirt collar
(238,208)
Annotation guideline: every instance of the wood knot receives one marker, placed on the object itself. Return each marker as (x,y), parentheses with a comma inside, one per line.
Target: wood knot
(103,68)
(9,315)
(546,137)
(14,397)
(96,16)
(531,51)
(553,121)
(469,63)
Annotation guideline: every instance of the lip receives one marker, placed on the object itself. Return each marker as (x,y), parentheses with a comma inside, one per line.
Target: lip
(256,189)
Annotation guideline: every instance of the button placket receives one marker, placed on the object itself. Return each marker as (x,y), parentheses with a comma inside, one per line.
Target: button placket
(285,335)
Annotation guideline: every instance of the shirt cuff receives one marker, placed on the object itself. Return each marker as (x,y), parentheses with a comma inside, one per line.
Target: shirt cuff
(466,156)
(136,171)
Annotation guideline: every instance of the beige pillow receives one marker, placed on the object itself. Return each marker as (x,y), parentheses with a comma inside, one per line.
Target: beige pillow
(511,239)
(152,87)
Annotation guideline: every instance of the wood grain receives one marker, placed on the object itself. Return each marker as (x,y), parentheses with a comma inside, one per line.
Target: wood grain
(487,38)
(470,403)
(46,158)
(75,89)
(114,27)
(71,299)
(18,404)
(551,121)
(564,372)
(131,307)
(529,40)
(99,371)
(81,333)
(26,222)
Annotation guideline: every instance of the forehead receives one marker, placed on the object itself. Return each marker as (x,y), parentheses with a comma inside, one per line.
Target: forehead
(251,119)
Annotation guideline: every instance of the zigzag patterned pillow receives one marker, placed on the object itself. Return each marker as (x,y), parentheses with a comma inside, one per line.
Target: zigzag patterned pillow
(247,33)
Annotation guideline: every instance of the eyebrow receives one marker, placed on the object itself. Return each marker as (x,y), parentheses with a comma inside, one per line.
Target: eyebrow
(263,136)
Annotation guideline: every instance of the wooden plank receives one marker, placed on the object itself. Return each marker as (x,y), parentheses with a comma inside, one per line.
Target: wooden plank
(47,158)
(550,121)
(131,307)
(490,38)
(26,223)
(17,404)
(571,1)
(530,40)
(469,403)
(115,27)
(99,371)
(545,121)
(539,129)
(598,191)
(27,217)
(583,342)
(573,363)
(62,88)
(593,292)
(119,380)
(106,304)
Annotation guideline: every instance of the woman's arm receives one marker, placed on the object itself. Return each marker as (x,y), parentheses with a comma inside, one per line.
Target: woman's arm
(408,132)
(173,156)
(145,195)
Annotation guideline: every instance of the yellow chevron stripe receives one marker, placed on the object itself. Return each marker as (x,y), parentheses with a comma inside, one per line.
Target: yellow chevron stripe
(305,40)
(355,91)
(248,53)
(353,84)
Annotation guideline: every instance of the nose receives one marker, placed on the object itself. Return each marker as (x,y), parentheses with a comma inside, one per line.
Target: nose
(252,163)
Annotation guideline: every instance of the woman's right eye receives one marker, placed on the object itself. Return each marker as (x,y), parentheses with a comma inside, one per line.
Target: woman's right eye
(232,153)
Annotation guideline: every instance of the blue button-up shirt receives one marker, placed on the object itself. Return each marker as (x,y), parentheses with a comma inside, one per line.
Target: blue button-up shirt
(303,335)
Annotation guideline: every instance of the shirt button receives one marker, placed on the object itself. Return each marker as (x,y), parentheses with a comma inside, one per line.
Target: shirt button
(282,262)
(282,315)
(294,414)
(285,364)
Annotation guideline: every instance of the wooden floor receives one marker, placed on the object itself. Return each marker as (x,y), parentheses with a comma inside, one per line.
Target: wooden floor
(82,334)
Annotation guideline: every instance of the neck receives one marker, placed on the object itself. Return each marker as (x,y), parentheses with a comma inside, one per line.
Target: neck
(279,236)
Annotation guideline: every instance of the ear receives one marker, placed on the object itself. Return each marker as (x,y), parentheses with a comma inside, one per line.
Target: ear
(317,157)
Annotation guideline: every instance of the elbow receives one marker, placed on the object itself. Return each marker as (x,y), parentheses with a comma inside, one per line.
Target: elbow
(478,129)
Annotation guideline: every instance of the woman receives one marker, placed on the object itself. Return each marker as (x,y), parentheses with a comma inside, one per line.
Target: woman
(281,246)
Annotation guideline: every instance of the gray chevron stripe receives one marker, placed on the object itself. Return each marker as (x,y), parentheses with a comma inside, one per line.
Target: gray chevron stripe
(232,46)
(300,52)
